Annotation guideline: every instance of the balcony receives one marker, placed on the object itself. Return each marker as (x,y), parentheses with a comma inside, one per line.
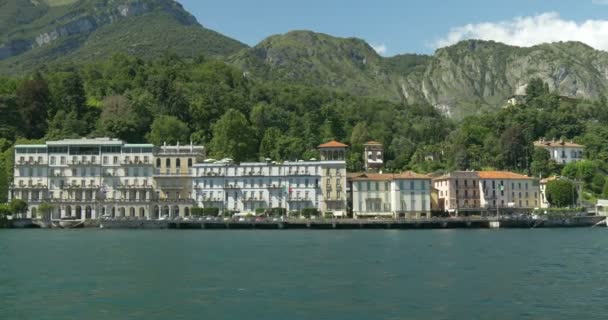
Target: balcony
(31,163)
(133,186)
(209,200)
(253,199)
(80,163)
(159,174)
(136,163)
(232,186)
(80,186)
(37,186)
(299,199)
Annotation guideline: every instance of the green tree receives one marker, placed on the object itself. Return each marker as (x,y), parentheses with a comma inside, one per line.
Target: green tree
(18,206)
(168,129)
(120,119)
(233,137)
(542,165)
(270,147)
(33,101)
(561,193)
(45,210)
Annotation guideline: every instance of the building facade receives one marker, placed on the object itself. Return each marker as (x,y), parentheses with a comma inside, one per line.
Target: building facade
(458,191)
(501,189)
(248,186)
(562,152)
(373,156)
(404,195)
(472,191)
(90,178)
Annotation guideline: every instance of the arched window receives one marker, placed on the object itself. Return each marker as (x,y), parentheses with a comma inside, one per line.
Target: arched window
(178,162)
(158,163)
(189,162)
(168,163)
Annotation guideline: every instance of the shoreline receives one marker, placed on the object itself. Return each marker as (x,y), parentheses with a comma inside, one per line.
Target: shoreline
(330,224)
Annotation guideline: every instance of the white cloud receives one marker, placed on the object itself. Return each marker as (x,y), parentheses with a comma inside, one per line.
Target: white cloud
(533,30)
(381,49)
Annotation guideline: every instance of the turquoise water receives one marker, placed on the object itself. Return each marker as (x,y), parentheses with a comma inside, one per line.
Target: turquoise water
(166,274)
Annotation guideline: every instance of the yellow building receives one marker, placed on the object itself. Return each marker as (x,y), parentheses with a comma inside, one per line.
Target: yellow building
(333,177)
(173,178)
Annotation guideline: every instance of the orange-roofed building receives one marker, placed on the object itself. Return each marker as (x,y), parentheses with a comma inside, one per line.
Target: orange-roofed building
(402,195)
(503,189)
(486,190)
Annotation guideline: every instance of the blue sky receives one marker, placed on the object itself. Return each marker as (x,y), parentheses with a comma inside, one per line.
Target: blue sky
(394,26)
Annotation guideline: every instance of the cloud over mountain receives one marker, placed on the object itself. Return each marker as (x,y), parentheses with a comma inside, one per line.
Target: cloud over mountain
(532,30)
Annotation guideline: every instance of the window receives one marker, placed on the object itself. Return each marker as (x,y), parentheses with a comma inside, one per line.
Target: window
(115,160)
(158,163)
(178,162)
(52,160)
(412,185)
(105,160)
(189,162)
(168,163)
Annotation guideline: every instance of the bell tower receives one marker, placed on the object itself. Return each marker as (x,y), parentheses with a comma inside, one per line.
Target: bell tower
(373,156)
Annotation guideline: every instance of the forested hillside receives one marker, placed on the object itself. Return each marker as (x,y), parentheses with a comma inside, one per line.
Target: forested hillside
(212,103)
(40,33)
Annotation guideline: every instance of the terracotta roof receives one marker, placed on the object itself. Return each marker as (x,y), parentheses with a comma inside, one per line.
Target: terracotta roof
(387,176)
(373,177)
(333,144)
(558,143)
(411,175)
(372,143)
(501,175)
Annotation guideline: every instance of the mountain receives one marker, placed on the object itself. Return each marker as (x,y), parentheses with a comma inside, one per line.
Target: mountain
(320,60)
(38,32)
(468,77)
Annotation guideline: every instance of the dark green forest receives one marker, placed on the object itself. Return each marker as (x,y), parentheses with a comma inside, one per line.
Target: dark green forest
(206,101)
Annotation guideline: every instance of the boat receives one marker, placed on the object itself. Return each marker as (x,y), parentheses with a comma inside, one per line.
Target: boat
(68,223)
(42,223)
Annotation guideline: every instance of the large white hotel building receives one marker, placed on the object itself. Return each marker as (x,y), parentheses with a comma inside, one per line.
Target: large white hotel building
(89,178)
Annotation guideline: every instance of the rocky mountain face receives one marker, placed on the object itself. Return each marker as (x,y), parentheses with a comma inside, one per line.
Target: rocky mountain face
(35,32)
(471,76)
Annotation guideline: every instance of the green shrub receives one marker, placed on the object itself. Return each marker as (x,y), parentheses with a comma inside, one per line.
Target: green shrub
(277,212)
(211,212)
(308,212)
(328,215)
(196,211)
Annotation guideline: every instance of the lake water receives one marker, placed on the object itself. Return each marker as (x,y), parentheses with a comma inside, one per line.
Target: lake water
(374,274)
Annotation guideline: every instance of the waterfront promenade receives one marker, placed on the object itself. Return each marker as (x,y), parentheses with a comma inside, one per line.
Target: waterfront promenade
(433,223)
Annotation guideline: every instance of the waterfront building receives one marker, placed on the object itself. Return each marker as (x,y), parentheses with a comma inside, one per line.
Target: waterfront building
(474,191)
(503,189)
(333,178)
(84,178)
(293,185)
(173,178)
(562,152)
(544,203)
(458,191)
(89,178)
(404,195)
